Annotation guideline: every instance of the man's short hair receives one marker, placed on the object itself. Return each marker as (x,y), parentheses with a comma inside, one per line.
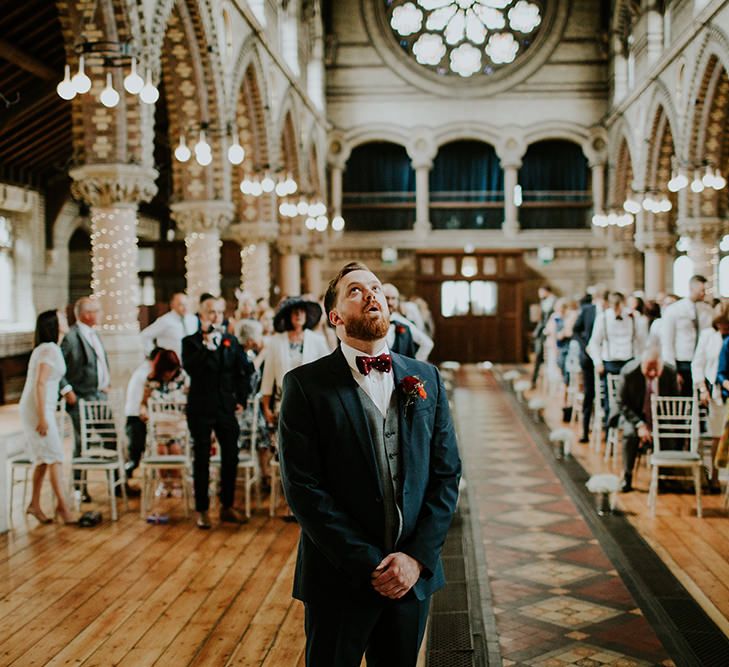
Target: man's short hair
(546,288)
(615,298)
(205,296)
(697,279)
(330,298)
(82,305)
(174,294)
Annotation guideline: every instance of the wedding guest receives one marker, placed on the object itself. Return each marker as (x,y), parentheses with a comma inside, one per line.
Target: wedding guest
(136,428)
(546,305)
(403,336)
(43,438)
(168,330)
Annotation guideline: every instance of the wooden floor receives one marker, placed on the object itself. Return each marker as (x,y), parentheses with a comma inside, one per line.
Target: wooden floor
(696,550)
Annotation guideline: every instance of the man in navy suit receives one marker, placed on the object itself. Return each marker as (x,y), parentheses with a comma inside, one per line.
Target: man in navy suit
(370,469)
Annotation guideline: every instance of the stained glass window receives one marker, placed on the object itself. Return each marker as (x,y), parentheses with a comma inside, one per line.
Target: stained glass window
(465,37)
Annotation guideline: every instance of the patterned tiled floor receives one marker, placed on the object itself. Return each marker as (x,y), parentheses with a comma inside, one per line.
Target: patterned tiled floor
(558,601)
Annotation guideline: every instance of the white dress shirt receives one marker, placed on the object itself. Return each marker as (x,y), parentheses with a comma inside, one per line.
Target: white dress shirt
(279,359)
(135,389)
(377,385)
(679,329)
(102,369)
(616,339)
(421,339)
(705,363)
(168,330)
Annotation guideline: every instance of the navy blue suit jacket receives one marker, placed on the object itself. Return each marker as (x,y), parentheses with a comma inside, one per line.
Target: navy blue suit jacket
(332,485)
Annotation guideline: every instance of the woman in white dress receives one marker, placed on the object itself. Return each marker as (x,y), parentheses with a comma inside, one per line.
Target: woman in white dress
(38,412)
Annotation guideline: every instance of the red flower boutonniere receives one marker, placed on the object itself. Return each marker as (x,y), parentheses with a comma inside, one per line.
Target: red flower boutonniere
(226,342)
(413,387)
(399,328)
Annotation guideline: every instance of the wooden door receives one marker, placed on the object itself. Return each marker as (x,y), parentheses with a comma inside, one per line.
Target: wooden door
(477,304)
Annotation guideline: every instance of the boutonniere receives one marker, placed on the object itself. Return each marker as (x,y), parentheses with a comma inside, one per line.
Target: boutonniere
(399,328)
(226,342)
(413,387)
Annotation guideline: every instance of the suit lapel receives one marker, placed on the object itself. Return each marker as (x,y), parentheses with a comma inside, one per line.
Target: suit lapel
(88,351)
(346,387)
(400,371)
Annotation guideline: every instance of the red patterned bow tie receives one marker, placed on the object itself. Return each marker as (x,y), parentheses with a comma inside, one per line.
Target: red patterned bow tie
(383,363)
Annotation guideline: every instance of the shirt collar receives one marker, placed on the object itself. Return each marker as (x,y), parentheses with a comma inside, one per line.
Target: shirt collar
(351,354)
(85,329)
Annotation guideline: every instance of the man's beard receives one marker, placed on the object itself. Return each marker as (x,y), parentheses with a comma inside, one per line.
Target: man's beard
(367,328)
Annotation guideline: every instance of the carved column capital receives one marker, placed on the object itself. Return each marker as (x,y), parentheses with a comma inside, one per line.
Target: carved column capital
(113,184)
(202,216)
(253,232)
(654,241)
(705,229)
(291,245)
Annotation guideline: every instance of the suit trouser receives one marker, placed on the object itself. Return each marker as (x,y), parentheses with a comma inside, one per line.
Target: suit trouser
(227,431)
(538,358)
(611,368)
(389,632)
(137,439)
(588,378)
(631,444)
(683,369)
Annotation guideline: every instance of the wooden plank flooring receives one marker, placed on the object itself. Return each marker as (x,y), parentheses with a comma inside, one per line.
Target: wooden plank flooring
(696,550)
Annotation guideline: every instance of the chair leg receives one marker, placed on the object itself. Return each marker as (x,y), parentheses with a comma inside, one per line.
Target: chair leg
(697,486)
(143,494)
(273,498)
(653,491)
(25,487)
(247,482)
(10,500)
(112,494)
(185,494)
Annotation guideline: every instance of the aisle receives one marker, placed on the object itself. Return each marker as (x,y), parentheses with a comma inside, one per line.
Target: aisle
(556,598)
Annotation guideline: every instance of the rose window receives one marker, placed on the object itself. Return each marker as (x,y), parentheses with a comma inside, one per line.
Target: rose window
(464,37)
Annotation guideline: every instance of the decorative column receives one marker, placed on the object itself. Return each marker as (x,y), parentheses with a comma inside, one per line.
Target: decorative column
(312,273)
(202,222)
(113,191)
(335,174)
(598,187)
(620,72)
(255,270)
(422,169)
(289,280)
(654,35)
(510,226)
(656,246)
(622,254)
(704,235)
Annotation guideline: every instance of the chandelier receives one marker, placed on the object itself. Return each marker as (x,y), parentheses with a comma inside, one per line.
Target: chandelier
(710,178)
(203,152)
(650,200)
(263,182)
(314,211)
(613,219)
(109,55)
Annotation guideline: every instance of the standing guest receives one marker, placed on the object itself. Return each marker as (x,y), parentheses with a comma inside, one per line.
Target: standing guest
(546,305)
(370,468)
(168,330)
(295,343)
(219,385)
(136,428)
(266,320)
(410,310)
(639,380)
(704,371)
(682,323)
(38,412)
(616,339)
(428,322)
(403,336)
(582,331)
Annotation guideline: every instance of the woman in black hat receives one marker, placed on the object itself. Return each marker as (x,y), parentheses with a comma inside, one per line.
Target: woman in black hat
(294,344)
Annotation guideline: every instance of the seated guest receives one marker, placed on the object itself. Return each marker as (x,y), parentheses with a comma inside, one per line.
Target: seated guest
(294,345)
(168,330)
(136,427)
(46,368)
(641,379)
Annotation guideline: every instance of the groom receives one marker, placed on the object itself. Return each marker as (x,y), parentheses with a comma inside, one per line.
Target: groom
(370,468)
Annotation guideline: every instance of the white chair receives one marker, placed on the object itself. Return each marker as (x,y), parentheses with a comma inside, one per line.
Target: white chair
(102,449)
(575,395)
(675,418)
(166,422)
(247,455)
(598,417)
(612,439)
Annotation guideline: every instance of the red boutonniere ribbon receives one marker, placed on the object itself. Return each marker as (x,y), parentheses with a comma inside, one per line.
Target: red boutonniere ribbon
(413,388)
(226,342)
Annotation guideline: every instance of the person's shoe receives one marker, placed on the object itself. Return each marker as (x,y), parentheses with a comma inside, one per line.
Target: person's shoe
(38,514)
(86,498)
(232,515)
(132,491)
(627,484)
(584,440)
(203,521)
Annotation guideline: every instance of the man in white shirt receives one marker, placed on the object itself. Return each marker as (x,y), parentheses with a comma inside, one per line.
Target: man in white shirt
(396,334)
(136,428)
(168,330)
(617,337)
(681,325)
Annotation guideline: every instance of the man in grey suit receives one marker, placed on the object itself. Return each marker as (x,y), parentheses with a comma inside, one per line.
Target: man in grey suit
(87,367)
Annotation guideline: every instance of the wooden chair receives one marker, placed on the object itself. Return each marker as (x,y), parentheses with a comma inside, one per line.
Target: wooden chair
(166,422)
(675,418)
(102,449)
(247,454)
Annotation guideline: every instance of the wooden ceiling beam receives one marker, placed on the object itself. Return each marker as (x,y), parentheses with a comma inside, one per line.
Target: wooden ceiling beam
(27,62)
(9,118)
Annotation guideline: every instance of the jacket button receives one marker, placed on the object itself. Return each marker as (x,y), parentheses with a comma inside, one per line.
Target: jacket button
(378,499)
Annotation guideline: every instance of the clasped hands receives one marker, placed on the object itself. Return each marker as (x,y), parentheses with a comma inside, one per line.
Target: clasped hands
(396,574)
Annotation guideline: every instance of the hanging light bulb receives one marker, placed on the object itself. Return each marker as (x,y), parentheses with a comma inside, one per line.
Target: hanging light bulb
(133,83)
(281,189)
(81,82)
(256,189)
(109,97)
(719,181)
(321,223)
(291,185)
(65,88)
(708,178)
(202,146)
(282,209)
(236,152)
(697,185)
(267,184)
(245,186)
(631,205)
(302,208)
(681,180)
(204,158)
(310,224)
(182,152)
(149,93)
(337,223)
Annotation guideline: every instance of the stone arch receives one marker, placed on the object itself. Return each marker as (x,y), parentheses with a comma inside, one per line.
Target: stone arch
(192,79)
(315,167)
(289,156)
(122,134)
(474,131)
(661,148)
(365,135)
(623,175)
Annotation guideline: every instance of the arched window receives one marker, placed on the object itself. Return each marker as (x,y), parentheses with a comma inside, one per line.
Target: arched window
(555,182)
(379,188)
(683,269)
(466,187)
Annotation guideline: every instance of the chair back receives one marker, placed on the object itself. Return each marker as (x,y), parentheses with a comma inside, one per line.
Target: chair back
(598,397)
(612,388)
(167,421)
(249,424)
(100,435)
(675,418)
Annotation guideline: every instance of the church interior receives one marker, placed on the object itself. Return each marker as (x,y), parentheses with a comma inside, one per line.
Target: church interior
(472,153)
